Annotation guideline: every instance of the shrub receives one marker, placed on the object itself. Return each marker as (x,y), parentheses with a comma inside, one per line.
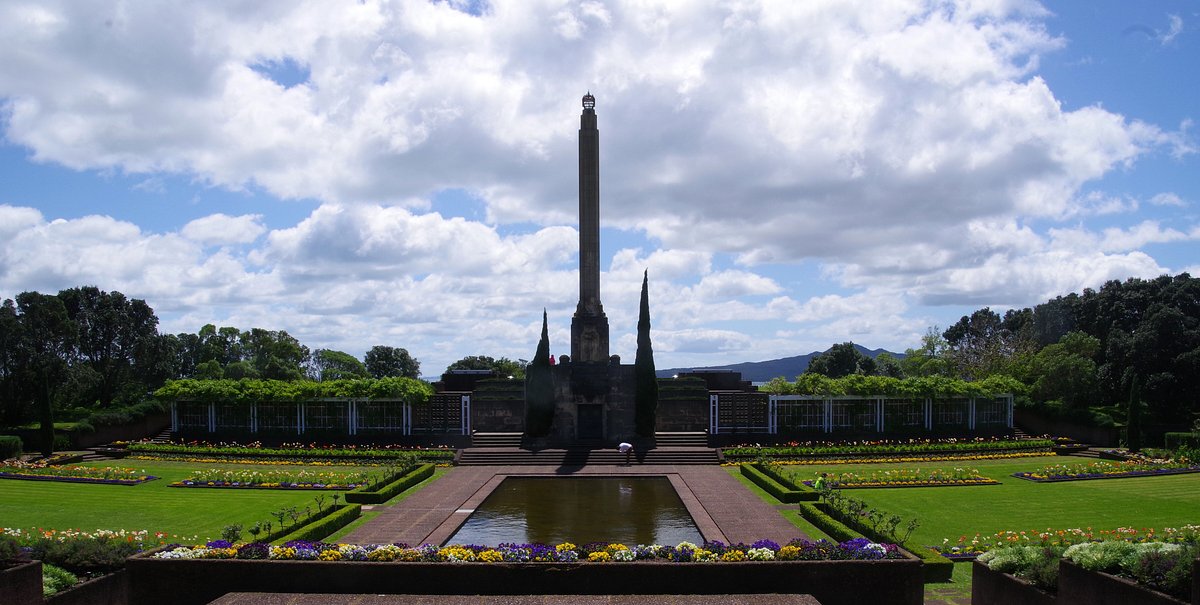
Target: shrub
(85,557)
(9,548)
(1167,570)
(1038,565)
(1174,441)
(322,528)
(56,579)
(10,446)
(379,495)
(1100,556)
(773,483)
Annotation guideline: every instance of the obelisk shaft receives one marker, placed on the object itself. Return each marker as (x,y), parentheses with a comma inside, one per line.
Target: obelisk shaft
(589,213)
(589,327)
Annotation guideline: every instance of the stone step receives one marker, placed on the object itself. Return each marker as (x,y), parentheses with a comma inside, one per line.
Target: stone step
(578,457)
(496,440)
(694,439)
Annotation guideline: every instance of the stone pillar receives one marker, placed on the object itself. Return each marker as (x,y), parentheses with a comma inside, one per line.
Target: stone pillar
(589,326)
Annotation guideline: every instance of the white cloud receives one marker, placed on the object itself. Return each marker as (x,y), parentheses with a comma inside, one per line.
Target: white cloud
(1175,28)
(222,229)
(1167,198)
(910,149)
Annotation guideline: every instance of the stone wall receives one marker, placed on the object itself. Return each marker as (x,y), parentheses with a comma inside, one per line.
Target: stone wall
(199,581)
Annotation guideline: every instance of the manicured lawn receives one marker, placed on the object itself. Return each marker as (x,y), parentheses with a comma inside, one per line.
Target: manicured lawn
(186,512)
(1016,504)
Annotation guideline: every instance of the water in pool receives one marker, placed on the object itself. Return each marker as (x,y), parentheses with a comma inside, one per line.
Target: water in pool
(553,510)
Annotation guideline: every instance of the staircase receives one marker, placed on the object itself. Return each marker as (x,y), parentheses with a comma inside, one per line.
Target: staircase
(110,452)
(690,439)
(583,456)
(166,436)
(495,439)
(1020,435)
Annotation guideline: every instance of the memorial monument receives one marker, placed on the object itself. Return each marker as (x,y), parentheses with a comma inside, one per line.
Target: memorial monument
(594,393)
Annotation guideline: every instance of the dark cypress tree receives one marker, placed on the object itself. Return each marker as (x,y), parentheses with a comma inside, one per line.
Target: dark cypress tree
(1133,417)
(539,388)
(646,383)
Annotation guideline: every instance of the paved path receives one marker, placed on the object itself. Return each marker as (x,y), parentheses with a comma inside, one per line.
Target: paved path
(722,508)
(262,598)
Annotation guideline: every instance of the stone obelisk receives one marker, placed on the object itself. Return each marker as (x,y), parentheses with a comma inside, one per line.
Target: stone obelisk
(589,326)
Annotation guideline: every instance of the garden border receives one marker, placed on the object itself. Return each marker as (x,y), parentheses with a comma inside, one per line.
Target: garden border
(199,581)
(1124,475)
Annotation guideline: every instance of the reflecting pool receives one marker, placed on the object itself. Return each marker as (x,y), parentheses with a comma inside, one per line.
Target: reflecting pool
(553,510)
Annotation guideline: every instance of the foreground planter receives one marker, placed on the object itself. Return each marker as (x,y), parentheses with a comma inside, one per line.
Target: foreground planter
(111,589)
(20,582)
(1078,586)
(196,582)
(995,588)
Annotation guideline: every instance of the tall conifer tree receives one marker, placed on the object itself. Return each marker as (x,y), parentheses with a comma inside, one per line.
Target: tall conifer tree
(539,387)
(646,383)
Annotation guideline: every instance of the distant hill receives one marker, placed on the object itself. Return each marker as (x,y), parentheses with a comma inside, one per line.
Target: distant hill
(762,371)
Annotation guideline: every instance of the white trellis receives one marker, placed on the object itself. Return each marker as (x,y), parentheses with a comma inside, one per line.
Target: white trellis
(881,414)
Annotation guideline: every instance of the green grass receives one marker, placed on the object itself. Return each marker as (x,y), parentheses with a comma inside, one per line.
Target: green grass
(185,512)
(1019,505)
(1016,504)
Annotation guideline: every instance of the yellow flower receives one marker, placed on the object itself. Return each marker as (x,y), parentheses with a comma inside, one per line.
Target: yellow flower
(733,555)
(599,557)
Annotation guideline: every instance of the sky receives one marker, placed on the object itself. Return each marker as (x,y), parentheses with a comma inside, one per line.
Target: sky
(404,173)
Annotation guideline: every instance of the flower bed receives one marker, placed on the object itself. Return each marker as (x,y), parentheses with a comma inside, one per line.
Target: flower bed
(917,448)
(902,459)
(277,479)
(1104,469)
(74,474)
(296,451)
(852,572)
(967,548)
(907,478)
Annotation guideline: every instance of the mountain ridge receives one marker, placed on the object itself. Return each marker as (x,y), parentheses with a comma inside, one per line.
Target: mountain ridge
(762,371)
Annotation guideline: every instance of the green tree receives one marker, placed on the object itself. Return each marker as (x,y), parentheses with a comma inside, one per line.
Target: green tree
(49,336)
(113,332)
(383,361)
(13,383)
(504,366)
(336,365)
(275,354)
(539,388)
(929,359)
(1065,371)
(646,389)
(210,370)
(1133,417)
(841,360)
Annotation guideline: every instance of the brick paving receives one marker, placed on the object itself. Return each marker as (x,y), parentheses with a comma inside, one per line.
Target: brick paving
(262,598)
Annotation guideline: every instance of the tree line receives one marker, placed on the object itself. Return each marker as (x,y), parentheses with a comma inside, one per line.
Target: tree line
(66,355)
(1127,353)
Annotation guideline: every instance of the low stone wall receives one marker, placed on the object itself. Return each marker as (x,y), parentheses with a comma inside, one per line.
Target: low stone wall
(112,589)
(197,582)
(20,582)
(995,588)
(1078,586)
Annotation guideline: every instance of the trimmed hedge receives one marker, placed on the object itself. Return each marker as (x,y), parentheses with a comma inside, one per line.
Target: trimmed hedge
(936,567)
(1175,441)
(779,487)
(836,529)
(10,446)
(319,529)
(363,495)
